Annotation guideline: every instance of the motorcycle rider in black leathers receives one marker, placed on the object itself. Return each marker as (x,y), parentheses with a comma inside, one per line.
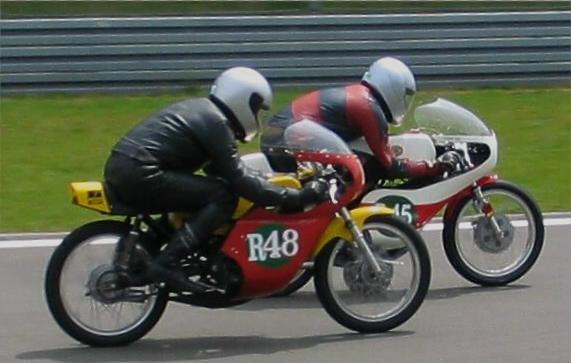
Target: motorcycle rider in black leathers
(153,167)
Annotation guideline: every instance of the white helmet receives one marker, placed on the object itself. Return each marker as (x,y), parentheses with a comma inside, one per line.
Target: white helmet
(394,82)
(241,92)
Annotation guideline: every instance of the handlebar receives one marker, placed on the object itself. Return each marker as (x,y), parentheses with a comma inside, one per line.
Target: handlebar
(461,162)
(327,174)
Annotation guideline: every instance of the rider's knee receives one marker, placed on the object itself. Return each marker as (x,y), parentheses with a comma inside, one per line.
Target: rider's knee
(226,199)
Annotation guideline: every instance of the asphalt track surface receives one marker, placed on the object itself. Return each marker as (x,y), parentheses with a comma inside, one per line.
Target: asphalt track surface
(529,321)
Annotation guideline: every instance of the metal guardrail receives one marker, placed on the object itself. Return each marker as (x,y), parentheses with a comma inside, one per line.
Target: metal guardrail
(168,53)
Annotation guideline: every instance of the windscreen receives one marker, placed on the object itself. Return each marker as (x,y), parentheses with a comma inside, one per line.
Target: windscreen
(447,118)
(304,135)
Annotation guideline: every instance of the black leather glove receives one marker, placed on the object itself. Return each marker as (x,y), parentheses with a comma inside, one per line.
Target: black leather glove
(311,193)
(314,192)
(450,162)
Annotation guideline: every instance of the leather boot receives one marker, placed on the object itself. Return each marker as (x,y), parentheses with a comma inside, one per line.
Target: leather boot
(165,267)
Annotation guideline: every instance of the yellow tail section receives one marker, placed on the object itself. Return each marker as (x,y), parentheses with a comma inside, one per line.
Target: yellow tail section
(90,195)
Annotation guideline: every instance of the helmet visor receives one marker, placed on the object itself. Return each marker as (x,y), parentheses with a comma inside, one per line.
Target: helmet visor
(409,94)
(256,104)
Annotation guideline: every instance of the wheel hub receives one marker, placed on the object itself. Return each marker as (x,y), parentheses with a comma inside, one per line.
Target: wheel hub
(104,286)
(486,237)
(360,277)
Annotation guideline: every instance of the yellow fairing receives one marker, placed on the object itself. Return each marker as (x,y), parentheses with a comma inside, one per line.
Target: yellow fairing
(337,228)
(90,195)
(244,205)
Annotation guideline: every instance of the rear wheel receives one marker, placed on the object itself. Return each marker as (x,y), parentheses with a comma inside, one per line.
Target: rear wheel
(362,300)
(86,296)
(480,254)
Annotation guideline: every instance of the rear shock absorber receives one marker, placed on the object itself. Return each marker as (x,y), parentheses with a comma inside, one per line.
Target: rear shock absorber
(126,246)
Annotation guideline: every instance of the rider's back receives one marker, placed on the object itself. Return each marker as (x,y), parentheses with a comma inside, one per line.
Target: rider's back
(177,137)
(349,111)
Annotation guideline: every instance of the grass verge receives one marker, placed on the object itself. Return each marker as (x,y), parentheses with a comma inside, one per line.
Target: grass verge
(48,141)
(50,8)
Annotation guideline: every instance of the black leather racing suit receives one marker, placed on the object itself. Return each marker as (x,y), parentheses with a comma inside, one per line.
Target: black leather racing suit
(153,167)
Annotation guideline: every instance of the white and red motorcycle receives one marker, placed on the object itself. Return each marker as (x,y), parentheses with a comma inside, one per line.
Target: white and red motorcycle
(493,230)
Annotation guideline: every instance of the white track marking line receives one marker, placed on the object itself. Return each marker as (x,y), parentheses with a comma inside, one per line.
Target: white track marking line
(52,242)
(30,243)
(548,222)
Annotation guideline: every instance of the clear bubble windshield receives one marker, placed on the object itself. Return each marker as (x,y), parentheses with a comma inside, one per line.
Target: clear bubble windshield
(447,118)
(293,137)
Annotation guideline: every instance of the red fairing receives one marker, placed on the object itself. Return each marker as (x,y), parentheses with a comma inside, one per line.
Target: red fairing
(351,163)
(270,247)
(426,212)
(255,240)
(488,179)
(453,202)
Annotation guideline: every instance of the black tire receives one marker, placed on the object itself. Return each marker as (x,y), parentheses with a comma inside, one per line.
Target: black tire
(299,281)
(57,306)
(336,311)
(464,269)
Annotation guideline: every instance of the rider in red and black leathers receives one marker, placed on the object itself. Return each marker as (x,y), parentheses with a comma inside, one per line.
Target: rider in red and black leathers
(351,112)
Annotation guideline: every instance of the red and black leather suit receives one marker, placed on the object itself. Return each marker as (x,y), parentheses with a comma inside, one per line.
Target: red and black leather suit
(351,112)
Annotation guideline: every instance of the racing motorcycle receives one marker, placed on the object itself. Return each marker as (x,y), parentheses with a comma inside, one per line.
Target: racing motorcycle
(372,270)
(493,230)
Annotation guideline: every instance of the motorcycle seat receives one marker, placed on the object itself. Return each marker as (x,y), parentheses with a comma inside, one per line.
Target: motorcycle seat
(117,207)
(97,196)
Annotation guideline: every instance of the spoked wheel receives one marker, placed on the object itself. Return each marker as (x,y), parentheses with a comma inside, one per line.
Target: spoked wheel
(86,296)
(362,300)
(482,255)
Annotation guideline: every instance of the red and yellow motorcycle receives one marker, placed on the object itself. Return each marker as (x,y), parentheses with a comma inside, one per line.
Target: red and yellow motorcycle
(372,270)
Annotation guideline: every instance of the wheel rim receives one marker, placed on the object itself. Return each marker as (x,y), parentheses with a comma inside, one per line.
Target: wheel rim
(485,253)
(89,302)
(376,299)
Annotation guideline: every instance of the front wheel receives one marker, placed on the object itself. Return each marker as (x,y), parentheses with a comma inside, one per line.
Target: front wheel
(365,301)
(85,295)
(482,255)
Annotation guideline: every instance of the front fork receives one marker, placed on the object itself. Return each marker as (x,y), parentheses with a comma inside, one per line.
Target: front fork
(482,204)
(360,239)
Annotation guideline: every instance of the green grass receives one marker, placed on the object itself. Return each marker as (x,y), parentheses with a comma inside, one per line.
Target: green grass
(48,141)
(18,8)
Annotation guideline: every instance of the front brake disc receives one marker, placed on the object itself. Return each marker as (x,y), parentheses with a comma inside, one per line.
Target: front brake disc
(486,237)
(360,278)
